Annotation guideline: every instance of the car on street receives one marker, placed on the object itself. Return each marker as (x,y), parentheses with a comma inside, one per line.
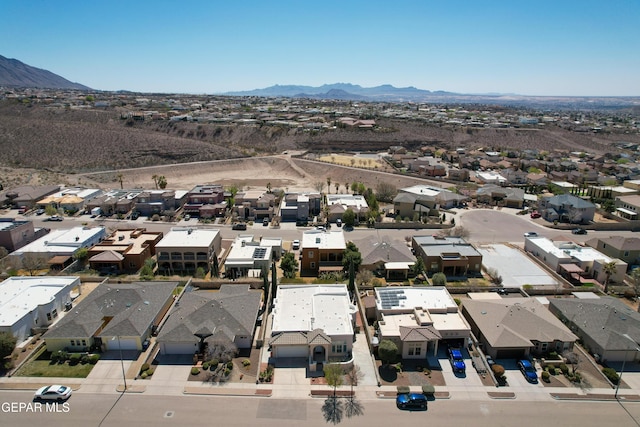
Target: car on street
(239,226)
(528,370)
(39,211)
(295,245)
(530,234)
(56,393)
(457,361)
(411,401)
(54,218)
(579,231)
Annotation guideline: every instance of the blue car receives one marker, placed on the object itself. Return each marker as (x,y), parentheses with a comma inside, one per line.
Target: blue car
(457,361)
(528,371)
(411,401)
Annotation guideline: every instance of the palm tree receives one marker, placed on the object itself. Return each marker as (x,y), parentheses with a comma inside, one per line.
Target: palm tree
(329,184)
(609,269)
(119,176)
(155,180)
(337,187)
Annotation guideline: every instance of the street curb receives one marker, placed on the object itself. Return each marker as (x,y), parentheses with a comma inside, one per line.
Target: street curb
(227,392)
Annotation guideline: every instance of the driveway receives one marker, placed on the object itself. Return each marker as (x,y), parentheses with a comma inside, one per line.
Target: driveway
(519,271)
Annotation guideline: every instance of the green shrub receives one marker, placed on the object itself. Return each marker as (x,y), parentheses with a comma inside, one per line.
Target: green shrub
(84,359)
(205,366)
(144,367)
(93,359)
(564,368)
(63,356)
(74,358)
(227,372)
(611,375)
(498,370)
(553,355)
(230,365)
(213,363)
(195,371)
(545,376)
(246,362)
(55,357)
(144,375)
(150,371)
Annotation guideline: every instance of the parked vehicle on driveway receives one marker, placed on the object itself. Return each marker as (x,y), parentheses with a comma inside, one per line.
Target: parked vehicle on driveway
(457,361)
(535,214)
(411,401)
(528,370)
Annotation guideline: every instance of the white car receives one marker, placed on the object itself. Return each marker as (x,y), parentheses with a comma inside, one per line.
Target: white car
(56,392)
(295,245)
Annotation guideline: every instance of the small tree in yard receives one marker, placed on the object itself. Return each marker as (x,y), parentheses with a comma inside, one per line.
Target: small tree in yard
(333,374)
(289,265)
(7,345)
(349,217)
(387,351)
(573,359)
(439,279)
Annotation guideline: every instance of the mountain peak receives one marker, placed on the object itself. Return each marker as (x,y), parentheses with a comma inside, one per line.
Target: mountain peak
(14,73)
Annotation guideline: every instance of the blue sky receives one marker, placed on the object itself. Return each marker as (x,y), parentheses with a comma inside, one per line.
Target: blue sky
(561,47)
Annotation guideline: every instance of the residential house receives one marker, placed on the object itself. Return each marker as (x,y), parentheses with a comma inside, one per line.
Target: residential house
(416,319)
(254,204)
(387,258)
(516,328)
(114,316)
(14,234)
(424,200)
(339,203)
(124,251)
(151,202)
(314,322)
(628,206)
(27,195)
(452,256)
(300,206)
(626,249)
(568,208)
(29,304)
(208,199)
(501,196)
(560,255)
(490,177)
(461,175)
(70,199)
(184,249)
(606,326)
(247,258)
(202,319)
(63,242)
(321,251)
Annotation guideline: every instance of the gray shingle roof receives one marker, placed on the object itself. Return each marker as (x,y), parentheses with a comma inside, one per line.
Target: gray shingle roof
(132,306)
(232,311)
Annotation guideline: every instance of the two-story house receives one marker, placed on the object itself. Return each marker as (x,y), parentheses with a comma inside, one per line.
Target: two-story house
(321,251)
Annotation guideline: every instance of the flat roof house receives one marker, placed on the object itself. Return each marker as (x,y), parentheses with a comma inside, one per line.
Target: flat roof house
(314,322)
(417,318)
(205,318)
(15,234)
(452,256)
(321,251)
(63,242)
(124,251)
(113,316)
(185,249)
(28,303)
(247,258)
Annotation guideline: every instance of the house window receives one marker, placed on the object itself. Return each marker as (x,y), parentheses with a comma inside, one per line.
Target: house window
(313,265)
(339,347)
(415,349)
(310,254)
(84,343)
(626,253)
(543,347)
(49,316)
(73,343)
(54,313)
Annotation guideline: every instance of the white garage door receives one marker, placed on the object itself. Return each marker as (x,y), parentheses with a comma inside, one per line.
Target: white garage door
(125,344)
(178,348)
(291,351)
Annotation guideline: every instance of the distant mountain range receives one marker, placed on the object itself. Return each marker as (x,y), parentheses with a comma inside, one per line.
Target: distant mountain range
(14,73)
(346,91)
